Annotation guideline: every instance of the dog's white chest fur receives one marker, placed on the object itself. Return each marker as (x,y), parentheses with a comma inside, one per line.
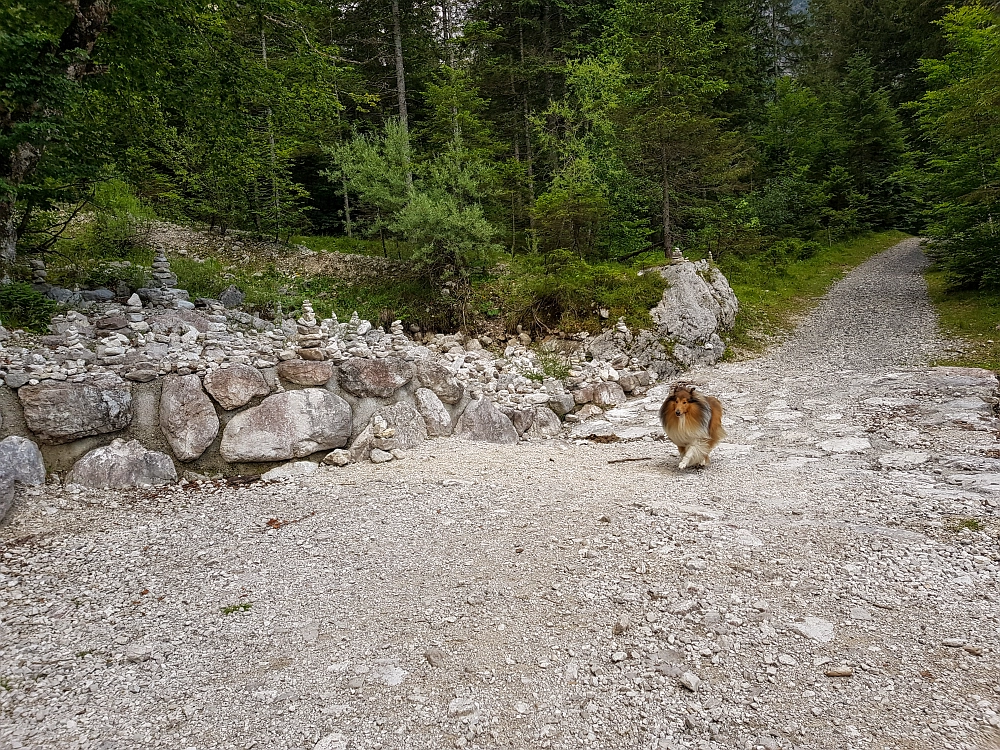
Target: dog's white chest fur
(692,436)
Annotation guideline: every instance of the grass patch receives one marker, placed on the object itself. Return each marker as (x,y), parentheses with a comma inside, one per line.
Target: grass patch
(550,365)
(232,608)
(966,524)
(776,289)
(972,318)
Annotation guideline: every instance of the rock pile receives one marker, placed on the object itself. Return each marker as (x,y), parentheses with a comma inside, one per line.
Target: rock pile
(213,386)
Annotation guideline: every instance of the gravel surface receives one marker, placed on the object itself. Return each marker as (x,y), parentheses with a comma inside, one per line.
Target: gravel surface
(830,581)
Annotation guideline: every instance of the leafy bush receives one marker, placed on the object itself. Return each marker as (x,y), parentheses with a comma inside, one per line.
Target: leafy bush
(550,365)
(444,233)
(121,222)
(970,258)
(792,250)
(562,291)
(23,307)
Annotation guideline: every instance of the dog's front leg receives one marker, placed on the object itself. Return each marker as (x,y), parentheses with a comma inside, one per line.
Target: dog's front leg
(685,459)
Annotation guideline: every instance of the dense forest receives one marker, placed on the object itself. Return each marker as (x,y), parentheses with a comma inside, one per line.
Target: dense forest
(580,131)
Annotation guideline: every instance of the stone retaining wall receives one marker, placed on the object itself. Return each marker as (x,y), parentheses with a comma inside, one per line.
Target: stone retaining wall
(121,393)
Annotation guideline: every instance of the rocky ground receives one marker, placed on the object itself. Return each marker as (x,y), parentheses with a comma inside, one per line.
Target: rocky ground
(830,581)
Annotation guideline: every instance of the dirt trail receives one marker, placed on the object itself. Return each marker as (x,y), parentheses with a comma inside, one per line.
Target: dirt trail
(543,597)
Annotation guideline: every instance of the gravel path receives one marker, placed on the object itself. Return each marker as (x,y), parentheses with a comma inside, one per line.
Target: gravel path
(831,581)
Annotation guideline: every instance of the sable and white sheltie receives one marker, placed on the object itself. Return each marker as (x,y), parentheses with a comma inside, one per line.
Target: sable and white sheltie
(693,423)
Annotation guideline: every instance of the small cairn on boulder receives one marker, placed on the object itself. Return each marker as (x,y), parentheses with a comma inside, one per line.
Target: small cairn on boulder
(398,337)
(334,329)
(309,339)
(354,336)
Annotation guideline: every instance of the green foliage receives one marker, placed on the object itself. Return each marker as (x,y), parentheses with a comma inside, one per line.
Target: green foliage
(561,291)
(121,221)
(959,525)
(23,307)
(435,211)
(232,608)
(550,365)
(377,169)
(959,119)
(969,317)
(570,214)
(444,235)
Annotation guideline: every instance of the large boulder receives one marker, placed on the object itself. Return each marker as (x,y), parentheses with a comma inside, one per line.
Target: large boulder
(607,395)
(697,305)
(122,465)
(398,426)
(440,380)
(378,378)
(21,461)
(235,386)
(60,412)
(481,420)
(436,416)
(545,423)
(187,417)
(305,372)
(287,425)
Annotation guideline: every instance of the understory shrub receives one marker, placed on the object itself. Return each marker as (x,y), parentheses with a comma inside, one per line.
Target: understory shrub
(21,306)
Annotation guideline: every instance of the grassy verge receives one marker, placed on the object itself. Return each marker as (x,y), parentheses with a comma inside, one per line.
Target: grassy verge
(970,317)
(775,292)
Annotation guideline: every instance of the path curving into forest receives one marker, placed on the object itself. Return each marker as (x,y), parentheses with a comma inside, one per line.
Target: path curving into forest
(879,316)
(830,581)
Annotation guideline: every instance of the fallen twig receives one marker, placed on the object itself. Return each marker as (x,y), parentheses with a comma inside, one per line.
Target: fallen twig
(276,523)
(623,460)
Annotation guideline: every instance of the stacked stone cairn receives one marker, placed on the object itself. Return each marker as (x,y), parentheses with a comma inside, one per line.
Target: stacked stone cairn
(399,340)
(72,338)
(162,289)
(354,336)
(334,331)
(309,339)
(38,274)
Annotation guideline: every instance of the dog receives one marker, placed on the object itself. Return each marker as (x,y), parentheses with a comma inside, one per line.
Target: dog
(693,423)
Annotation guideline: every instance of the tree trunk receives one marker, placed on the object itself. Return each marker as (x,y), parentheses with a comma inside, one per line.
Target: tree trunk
(90,18)
(275,196)
(446,17)
(347,209)
(528,172)
(397,36)
(668,241)
(8,232)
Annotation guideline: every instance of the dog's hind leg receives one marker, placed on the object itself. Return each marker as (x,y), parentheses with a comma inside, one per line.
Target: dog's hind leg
(697,455)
